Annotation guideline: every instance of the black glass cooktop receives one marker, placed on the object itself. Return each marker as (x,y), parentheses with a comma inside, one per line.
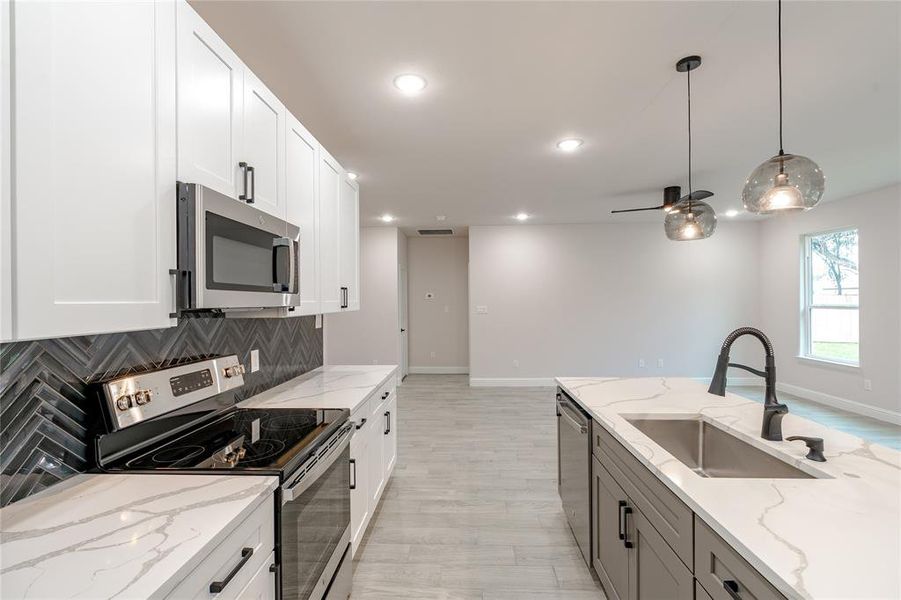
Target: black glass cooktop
(244,440)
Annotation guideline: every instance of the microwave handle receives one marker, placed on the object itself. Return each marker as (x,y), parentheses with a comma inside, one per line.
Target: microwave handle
(278,244)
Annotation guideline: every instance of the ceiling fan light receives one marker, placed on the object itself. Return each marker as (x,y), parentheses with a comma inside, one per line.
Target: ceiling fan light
(688,221)
(784,183)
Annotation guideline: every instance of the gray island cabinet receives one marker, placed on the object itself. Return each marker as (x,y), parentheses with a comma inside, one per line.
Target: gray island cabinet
(646,543)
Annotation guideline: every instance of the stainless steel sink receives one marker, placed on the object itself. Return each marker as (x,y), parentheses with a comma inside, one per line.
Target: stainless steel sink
(711,452)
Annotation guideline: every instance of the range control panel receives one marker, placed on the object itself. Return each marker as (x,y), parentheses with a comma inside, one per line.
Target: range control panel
(136,398)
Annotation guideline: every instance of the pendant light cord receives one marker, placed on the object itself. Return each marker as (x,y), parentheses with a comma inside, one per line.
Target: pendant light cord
(689,139)
(781,151)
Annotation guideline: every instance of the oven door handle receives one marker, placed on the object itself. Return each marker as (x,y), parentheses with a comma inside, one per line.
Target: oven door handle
(300,485)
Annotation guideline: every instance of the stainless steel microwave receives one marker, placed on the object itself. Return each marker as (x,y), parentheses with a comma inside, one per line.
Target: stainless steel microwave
(232,255)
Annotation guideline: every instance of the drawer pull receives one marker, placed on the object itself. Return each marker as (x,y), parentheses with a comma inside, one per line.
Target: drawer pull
(731,588)
(385,395)
(217,586)
(353,464)
(359,425)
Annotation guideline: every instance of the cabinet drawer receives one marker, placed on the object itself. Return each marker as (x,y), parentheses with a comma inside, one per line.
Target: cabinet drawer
(361,416)
(382,396)
(256,532)
(717,565)
(669,515)
(262,584)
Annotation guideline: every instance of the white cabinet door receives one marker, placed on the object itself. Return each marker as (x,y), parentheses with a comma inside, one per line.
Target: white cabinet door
(262,585)
(210,107)
(95,166)
(349,242)
(302,198)
(264,146)
(330,174)
(359,495)
(390,442)
(376,452)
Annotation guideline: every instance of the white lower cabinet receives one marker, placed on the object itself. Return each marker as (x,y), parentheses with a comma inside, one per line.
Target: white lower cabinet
(234,567)
(374,452)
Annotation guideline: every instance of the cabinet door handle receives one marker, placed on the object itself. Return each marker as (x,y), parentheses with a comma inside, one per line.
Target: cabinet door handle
(622,534)
(343,297)
(731,588)
(244,166)
(218,586)
(253,185)
(353,465)
(361,423)
(175,273)
(627,510)
(388,421)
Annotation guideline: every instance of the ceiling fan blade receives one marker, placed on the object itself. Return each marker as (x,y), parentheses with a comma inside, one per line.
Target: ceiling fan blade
(696,195)
(626,210)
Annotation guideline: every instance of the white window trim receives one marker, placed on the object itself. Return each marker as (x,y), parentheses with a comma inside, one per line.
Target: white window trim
(807,305)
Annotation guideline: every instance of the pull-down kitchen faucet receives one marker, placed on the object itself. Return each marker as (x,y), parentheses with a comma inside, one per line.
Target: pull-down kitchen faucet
(773,410)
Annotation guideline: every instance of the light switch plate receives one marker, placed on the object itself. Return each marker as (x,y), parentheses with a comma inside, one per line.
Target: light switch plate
(254,361)
(318,321)
(481,309)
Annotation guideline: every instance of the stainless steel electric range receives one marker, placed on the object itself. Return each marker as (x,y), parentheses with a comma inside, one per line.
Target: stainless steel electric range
(184,420)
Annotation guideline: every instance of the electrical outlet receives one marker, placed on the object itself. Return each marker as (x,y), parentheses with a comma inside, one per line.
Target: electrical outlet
(516,363)
(432,354)
(868,385)
(641,363)
(254,361)
(659,363)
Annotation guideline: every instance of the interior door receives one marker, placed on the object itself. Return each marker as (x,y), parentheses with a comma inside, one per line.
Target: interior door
(302,174)
(349,242)
(94,145)
(402,319)
(329,286)
(210,107)
(264,146)
(610,556)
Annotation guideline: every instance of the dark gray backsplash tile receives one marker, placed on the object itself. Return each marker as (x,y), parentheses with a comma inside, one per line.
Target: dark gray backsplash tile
(46,405)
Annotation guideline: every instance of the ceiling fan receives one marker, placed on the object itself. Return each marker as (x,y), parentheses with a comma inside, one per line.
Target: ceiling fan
(670,198)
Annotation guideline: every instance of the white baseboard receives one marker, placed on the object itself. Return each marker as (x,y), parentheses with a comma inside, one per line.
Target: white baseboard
(438,370)
(866,410)
(511,382)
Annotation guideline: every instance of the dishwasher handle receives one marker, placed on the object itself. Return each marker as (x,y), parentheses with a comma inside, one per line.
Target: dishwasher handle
(564,411)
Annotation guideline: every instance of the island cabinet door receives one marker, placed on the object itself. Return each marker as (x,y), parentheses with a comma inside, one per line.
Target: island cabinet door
(610,556)
(359,481)
(654,569)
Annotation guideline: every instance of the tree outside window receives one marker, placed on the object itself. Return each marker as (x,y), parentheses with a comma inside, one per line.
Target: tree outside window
(832,295)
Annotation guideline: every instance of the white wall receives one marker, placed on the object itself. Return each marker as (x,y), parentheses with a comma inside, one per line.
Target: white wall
(876,214)
(439,325)
(369,335)
(582,300)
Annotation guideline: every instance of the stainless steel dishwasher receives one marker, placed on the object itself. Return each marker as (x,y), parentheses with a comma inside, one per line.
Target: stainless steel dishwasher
(574,469)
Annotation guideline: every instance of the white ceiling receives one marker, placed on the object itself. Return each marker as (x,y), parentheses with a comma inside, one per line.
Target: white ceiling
(507,80)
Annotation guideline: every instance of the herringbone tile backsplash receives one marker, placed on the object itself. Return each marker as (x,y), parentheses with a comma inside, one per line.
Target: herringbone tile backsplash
(47,401)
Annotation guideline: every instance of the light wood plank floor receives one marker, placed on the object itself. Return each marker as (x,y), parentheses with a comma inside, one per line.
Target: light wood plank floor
(472,510)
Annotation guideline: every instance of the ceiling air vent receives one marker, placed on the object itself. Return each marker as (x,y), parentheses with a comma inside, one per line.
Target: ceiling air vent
(436,232)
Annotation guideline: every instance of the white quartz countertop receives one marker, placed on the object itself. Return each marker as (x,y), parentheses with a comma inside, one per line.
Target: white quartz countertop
(837,536)
(119,536)
(334,386)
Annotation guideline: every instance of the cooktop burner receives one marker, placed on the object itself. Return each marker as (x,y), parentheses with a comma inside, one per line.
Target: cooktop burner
(252,440)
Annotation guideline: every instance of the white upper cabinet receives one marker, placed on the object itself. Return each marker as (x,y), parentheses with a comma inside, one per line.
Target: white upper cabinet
(94,169)
(264,146)
(210,107)
(302,174)
(349,243)
(330,176)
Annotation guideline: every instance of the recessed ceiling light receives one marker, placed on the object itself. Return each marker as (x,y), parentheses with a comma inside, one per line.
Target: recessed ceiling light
(387,218)
(522,217)
(352,176)
(569,145)
(409,83)
(731,213)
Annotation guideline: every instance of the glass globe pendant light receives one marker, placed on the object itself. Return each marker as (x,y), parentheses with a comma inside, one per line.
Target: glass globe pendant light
(690,218)
(786,182)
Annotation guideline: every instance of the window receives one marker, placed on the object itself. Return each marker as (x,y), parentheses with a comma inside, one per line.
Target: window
(831,297)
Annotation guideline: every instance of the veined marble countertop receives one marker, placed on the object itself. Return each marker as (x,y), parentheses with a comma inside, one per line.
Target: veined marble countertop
(120,536)
(834,537)
(338,386)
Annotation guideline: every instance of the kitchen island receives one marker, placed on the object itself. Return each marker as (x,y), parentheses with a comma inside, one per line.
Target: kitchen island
(833,533)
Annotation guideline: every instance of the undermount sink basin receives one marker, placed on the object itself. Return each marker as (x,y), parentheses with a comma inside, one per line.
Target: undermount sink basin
(711,452)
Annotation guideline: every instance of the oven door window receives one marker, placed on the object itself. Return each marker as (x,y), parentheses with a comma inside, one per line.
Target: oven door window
(240,257)
(313,525)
